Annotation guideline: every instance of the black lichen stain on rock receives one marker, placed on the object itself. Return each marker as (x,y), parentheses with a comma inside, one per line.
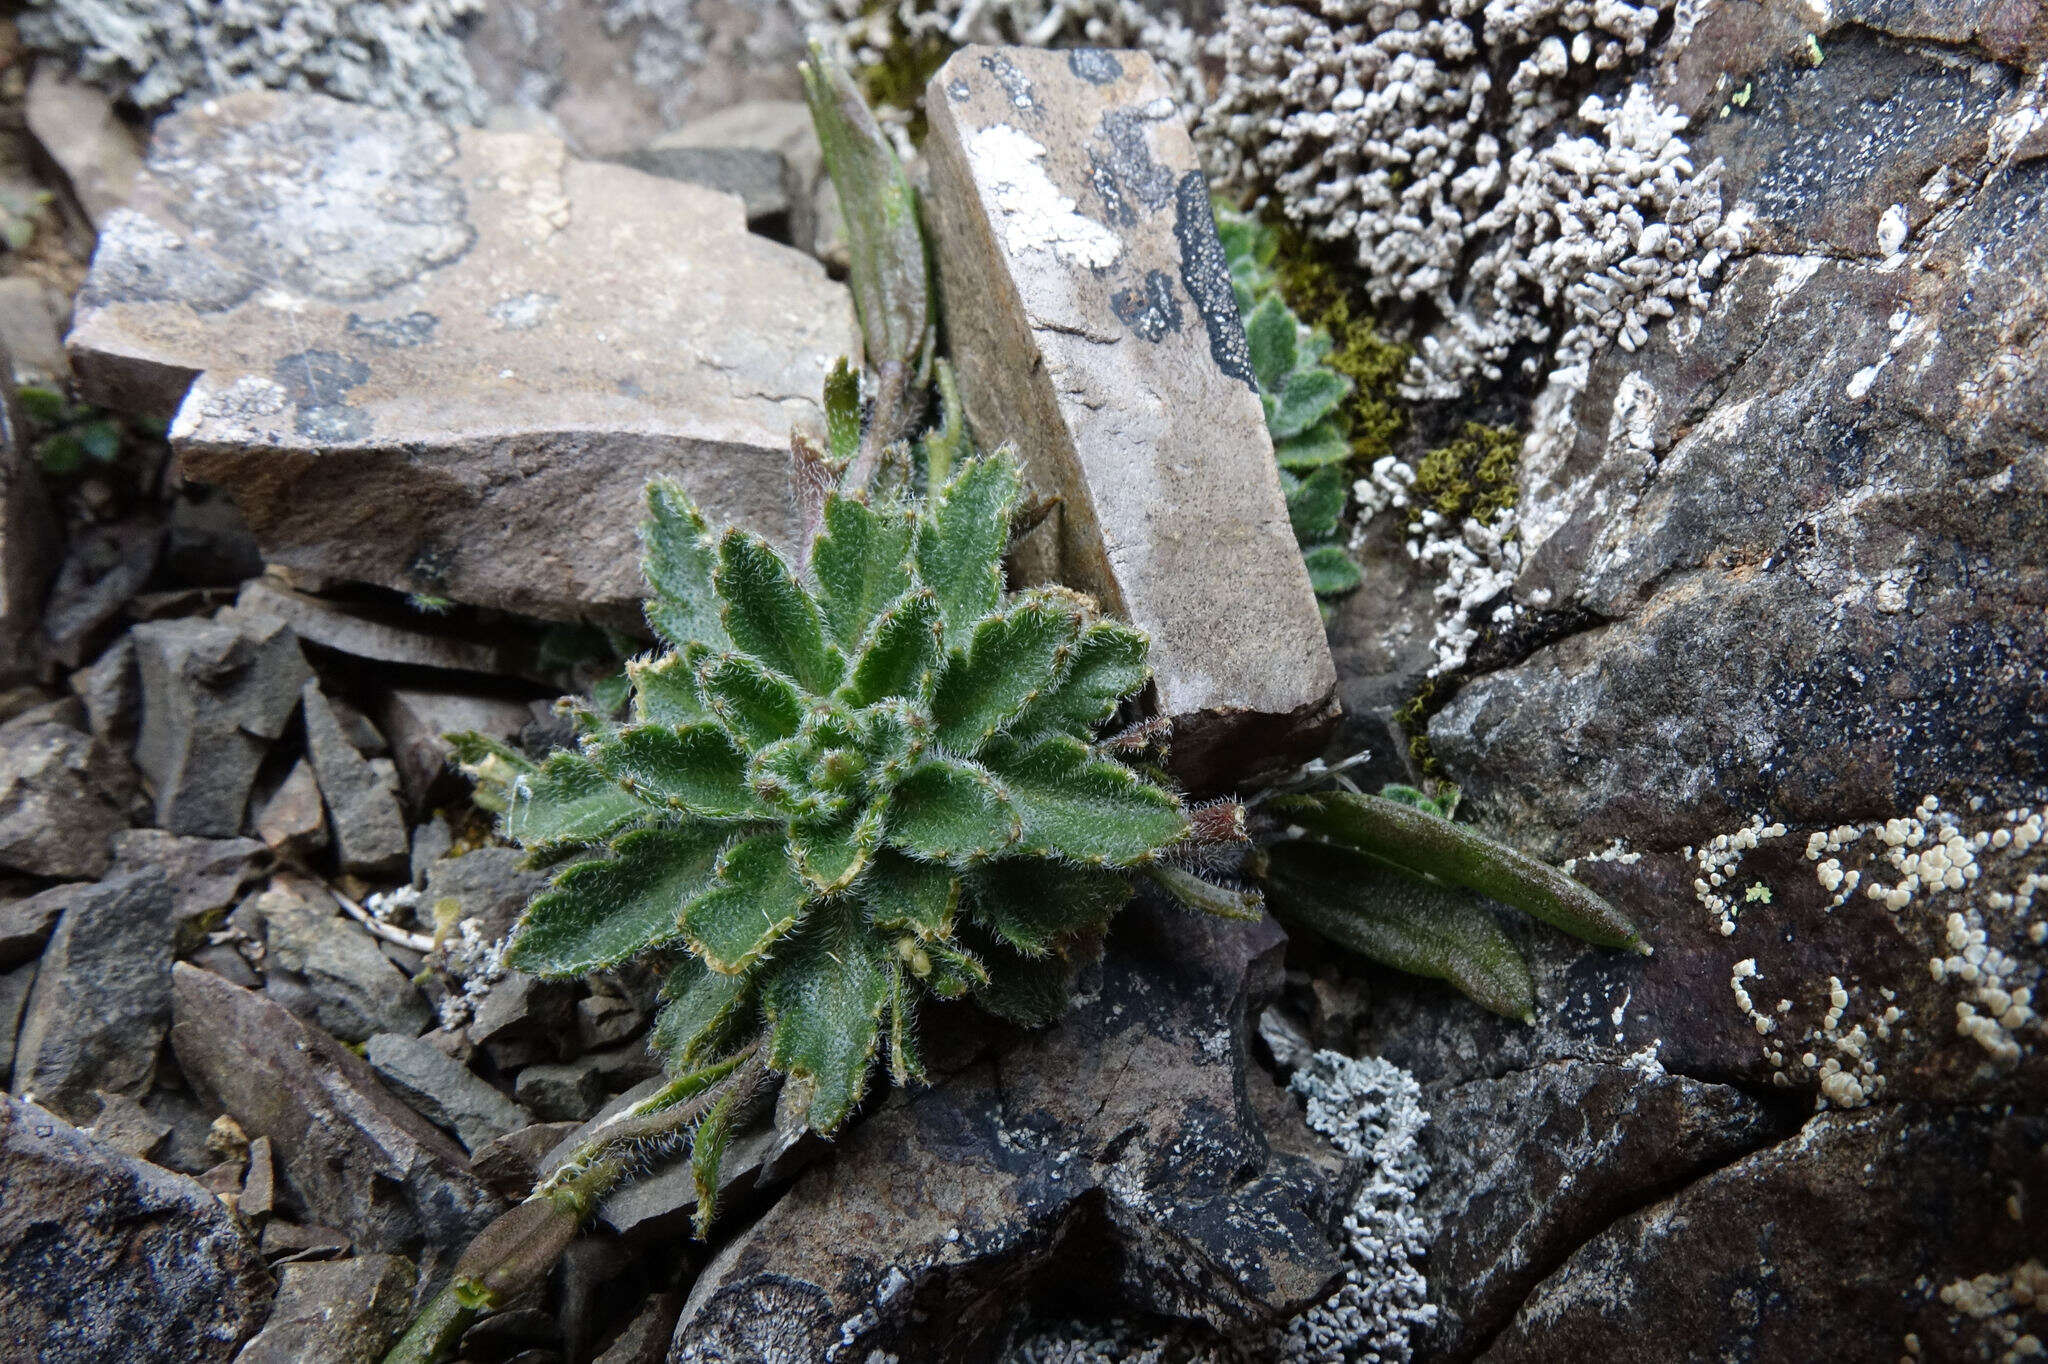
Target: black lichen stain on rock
(395,333)
(140,261)
(318,383)
(1151,311)
(1123,174)
(1094,65)
(1205,274)
(1014,82)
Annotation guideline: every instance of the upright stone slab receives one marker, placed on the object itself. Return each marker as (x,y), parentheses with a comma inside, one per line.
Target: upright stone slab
(447,362)
(1090,313)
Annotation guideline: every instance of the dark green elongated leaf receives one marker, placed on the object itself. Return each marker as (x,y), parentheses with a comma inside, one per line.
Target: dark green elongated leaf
(862,564)
(1417,839)
(902,654)
(1206,896)
(1107,663)
(665,690)
(45,405)
(962,538)
(946,444)
(696,768)
(1411,925)
(887,269)
(494,766)
(948,971)
(753,900)
(1310,396)
(1323,443)
(1315,505)
(905,1063)
(824,1003)
(1271,332)
(677,556)
(599,913)
(900,894)
(707,1154)
(703,1011)
(569,800)
(1078,806)
(951,811)
(842,411)
(1007,661)
(756,706)
(769,615)
(1331,570)
(1035,906)
(1028,991)
(829,854)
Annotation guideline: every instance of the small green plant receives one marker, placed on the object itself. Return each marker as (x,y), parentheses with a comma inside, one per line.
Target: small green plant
(1305,401)
(66,437)
(1472,475)
(20,213)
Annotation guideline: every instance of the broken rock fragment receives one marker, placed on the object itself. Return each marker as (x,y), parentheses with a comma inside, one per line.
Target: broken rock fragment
(215,694)
(447,362)
(361,793)
(1092,319)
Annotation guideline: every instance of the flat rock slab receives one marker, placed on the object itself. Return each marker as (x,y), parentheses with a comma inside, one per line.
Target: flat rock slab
(447,362)
(103,1256)
(1113,1159)
(1092,319)
(349,1154)
(341,1312)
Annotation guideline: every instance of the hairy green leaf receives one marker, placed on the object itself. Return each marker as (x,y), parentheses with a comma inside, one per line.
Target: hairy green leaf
(1427,930)
(678,555)
(829,854)
(1106,664)
(1078,806)
(900,894)
(1196,893)
(902,653)
(1008,660)
(599,913)
(1331,570)
(756,706)
(951,811)
(665,690)
(494,766)
(842,411)
(1028,991)
(1035,906)
(1315,505)
(963,537)
(770,616)
(707,1154)
(1272,331)
(1419,840)
(862,564)
(1310,396)
(1326,442)
(824,1003)
(568,800)
(697,769)
(755,897)
(703,1011)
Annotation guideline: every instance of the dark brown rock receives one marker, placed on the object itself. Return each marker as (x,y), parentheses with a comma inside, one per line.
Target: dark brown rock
(1112,1160)
(102,571)
(63,796)
(357,992)
(361,794)
(1105,341)
(349,1155)
(103,1256)
(207,875)
(338,1312)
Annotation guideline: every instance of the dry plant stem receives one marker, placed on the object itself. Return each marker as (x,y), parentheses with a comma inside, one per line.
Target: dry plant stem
(377,928)
(517,1251)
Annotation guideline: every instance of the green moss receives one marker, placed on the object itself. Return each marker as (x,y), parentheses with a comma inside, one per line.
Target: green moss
(1413,718)
(1322,291)
(1473,475)
(898,80)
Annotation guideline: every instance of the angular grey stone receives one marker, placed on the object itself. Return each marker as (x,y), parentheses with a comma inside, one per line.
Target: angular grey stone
(215,695)
(32,316)
(207,875)
(105,1257)
(443,1090)
(560,1092)
(259,1186)
(1126,1128)
(475,303)
(14,988)
(361,794)
(206,541)
(28,543)
(782,126)
(418,720)
(102,570)
(378,636)
(112,694)
(349,1154)
(337,1312)
(101,1002)
(488,884)
(755,175)
(76,124)
(292,821)
(1091,317)
(356,991)
(511,1163)
(25,924)
(63,796)
(128,1127)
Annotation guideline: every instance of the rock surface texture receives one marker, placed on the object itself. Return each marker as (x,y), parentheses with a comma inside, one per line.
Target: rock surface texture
(1770,669)
(103,1256)
(1091,316)
(1113,1160)
(447,362)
